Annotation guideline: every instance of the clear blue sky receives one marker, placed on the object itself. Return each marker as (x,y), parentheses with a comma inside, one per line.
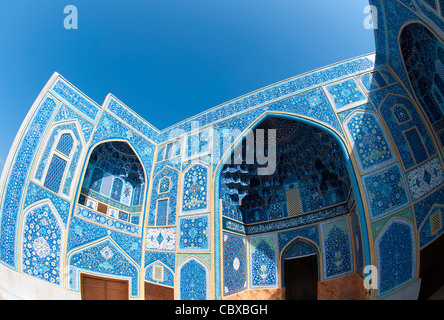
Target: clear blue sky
(168,60)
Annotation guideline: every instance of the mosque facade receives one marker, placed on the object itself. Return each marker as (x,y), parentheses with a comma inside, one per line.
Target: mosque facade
(342,200)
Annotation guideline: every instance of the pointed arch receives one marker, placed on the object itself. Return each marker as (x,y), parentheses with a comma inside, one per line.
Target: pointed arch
(103,257)
(421,53)
(59,157)
(115,180)
(165,273)
(227,157)
(41,250)
(297,248)
(193,281)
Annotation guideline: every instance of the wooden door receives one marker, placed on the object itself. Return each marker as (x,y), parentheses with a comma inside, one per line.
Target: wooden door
(158,292)
(98,288)
(301,278)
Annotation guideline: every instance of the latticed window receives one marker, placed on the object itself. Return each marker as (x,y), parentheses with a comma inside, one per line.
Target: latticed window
(436,222)
(158,273)
(162,212)
(65,144)
(59,160)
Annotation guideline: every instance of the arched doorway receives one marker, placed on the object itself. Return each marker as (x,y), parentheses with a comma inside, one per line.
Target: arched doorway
(300,271)
(112,194)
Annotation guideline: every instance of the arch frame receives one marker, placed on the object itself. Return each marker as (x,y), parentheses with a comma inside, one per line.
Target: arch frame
(353,174)
(289,245)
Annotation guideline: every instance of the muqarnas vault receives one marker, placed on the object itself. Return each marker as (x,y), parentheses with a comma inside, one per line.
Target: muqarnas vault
(98,203)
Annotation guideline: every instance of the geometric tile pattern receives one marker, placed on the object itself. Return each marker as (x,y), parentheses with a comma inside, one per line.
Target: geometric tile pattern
(65,144)
(161,239)
(55,173)
(425,178)
(418,150)
(161,212)
(432,227)
(167,278)
(294,203)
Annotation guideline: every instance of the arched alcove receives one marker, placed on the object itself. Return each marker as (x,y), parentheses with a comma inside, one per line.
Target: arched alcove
(300,266)
(423,57)
(114,182)
(310,174)
(311,184)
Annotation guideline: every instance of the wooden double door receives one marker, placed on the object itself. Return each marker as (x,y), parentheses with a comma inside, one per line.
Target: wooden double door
(99,288)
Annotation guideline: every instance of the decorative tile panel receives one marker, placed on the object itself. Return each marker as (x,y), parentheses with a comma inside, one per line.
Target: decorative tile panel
(385,191)
(161,239)
(193,280)
(345,94)
(75,99)
(103,258)
(197,144)
(425,178)
(171,175)
(195,188)
(370,144)
(235,263)
(107,222)
(337,249)
(263,261)
(300,249)
(421,139)
(194,233)
(36,193)
(17,176)
(41,242)
(395,249)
